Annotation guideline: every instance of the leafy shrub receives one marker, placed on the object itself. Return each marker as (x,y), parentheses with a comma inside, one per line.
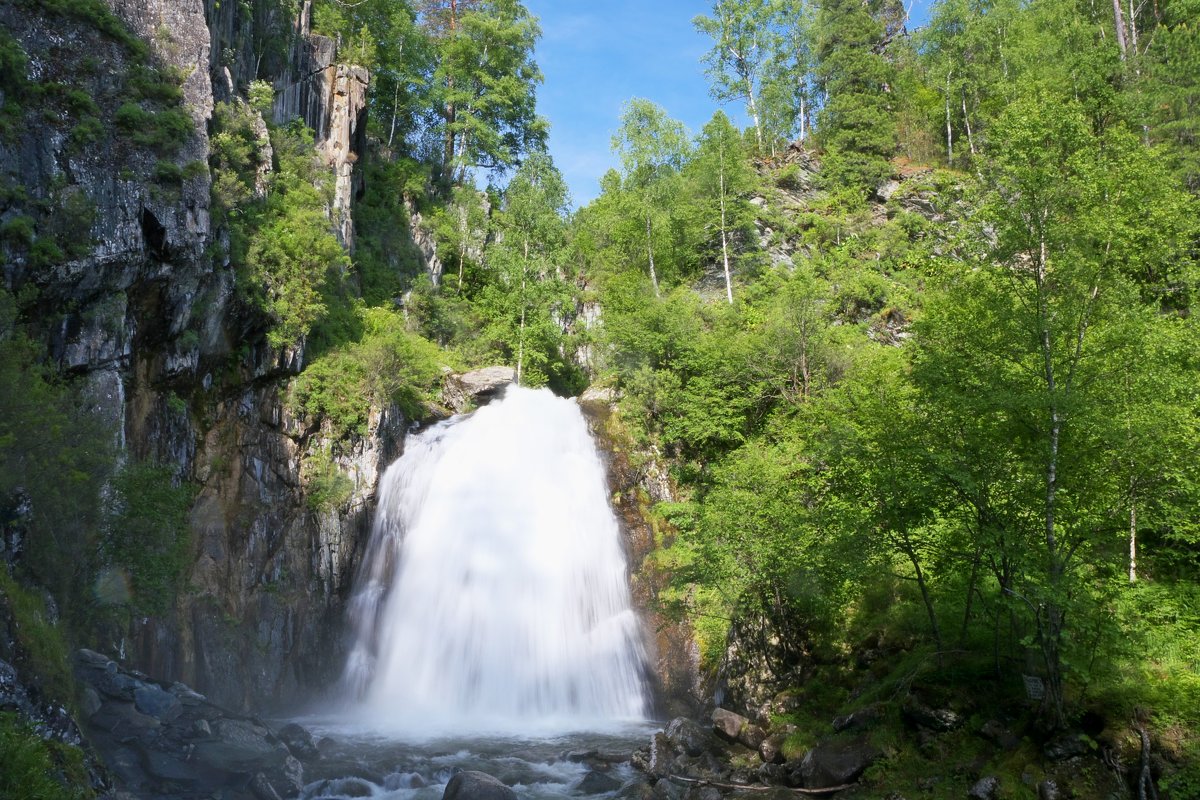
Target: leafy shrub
(165,131)
(148,533)
(326,486)
(87,131)
(389,365)
(18,230)
(41,641)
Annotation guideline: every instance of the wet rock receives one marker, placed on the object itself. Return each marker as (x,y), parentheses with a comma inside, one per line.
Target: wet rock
(241,746)
(986,788)
(122,720)
(637,789)
(773,774)
(837,763)
(596,782)
(1048,790)
(473,785)
(935,719)
(170,767)
(262,789)
(299,742)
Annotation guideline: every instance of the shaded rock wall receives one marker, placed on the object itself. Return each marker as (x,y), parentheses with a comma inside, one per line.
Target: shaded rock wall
(143,311)
(636,481)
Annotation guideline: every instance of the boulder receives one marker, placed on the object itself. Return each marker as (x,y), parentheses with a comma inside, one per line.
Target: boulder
(688,737)
(473,785)
(241,746)
(299,742)
(771,748)
(837,763)
(1067,746)
(987,788)
(461,391)
(1048,790)
(859,720)
(596,782)
(934,719)
(736,728)
(154,702)
(636,789)
(996,732)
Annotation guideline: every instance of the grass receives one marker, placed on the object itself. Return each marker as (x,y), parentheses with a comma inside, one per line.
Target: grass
(45,648)
(32,768)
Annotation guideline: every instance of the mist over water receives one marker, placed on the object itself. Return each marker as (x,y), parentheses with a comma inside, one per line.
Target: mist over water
(493,594)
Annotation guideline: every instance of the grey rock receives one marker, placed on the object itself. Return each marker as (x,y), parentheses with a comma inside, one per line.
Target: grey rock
(154,702)
(771,749)
(921,716)
(476,387)
(121,719)
(689,737)
(996,732)
(986,788)
(862,719)
(837,763)
(637,789)
(240,746)
(1064,747)
(262,789)
(169,767)
(299,742)
(600,395)
(728,724)
(474,785)
(596,782)
(669,790)
(1048,790)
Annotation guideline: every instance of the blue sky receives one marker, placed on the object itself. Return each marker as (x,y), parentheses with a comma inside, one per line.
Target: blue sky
(596,54)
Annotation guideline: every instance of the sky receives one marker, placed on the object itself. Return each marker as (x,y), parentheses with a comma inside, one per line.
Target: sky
(597,54)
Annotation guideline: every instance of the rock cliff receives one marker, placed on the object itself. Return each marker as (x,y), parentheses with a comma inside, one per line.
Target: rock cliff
(118,264)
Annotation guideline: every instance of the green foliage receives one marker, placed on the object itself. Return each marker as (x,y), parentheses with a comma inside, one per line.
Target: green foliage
(36,769)
(98,15)
(148,534)
(326,486)
(388,365)
(165,131)
(41,642)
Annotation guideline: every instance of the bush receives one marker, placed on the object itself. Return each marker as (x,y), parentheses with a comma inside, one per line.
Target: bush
(165,131)
(327,487)
(42,642)
(148,534)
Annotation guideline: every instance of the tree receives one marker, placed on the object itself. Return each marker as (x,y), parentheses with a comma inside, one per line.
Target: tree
(721,180)
(486,79)
(1033,343)
(743,40)
(855,124)
(651,147)
(527,257)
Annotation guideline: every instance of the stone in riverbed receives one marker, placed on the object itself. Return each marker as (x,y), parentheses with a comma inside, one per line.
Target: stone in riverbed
(241,746)
(596,782)
(689,737)
(474,785)
(154,702)
(299,742)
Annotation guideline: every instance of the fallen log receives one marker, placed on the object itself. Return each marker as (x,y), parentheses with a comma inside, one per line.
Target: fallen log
(751,787)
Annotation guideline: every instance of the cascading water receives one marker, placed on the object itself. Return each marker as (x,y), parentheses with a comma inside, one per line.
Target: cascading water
(493,594)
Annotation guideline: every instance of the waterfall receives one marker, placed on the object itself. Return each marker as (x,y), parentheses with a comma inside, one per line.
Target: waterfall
(493,594)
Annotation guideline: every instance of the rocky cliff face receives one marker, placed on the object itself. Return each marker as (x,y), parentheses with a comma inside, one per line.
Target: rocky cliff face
(120,273)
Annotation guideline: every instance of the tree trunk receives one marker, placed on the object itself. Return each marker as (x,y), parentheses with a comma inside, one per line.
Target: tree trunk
(1119,24)
(725,236)
(1132,534)
(650,254)
(521,332)
(967,123)
(949,128)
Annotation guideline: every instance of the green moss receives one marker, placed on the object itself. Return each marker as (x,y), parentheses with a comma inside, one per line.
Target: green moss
(326,486)
(34,769)
(42,642)
(149,535)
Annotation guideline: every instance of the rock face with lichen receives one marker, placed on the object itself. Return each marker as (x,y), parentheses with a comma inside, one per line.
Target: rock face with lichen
(111,250)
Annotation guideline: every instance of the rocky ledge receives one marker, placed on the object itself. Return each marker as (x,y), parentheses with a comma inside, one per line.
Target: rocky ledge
(167,741)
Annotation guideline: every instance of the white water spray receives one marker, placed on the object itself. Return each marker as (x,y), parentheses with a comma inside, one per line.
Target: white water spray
(493,593)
